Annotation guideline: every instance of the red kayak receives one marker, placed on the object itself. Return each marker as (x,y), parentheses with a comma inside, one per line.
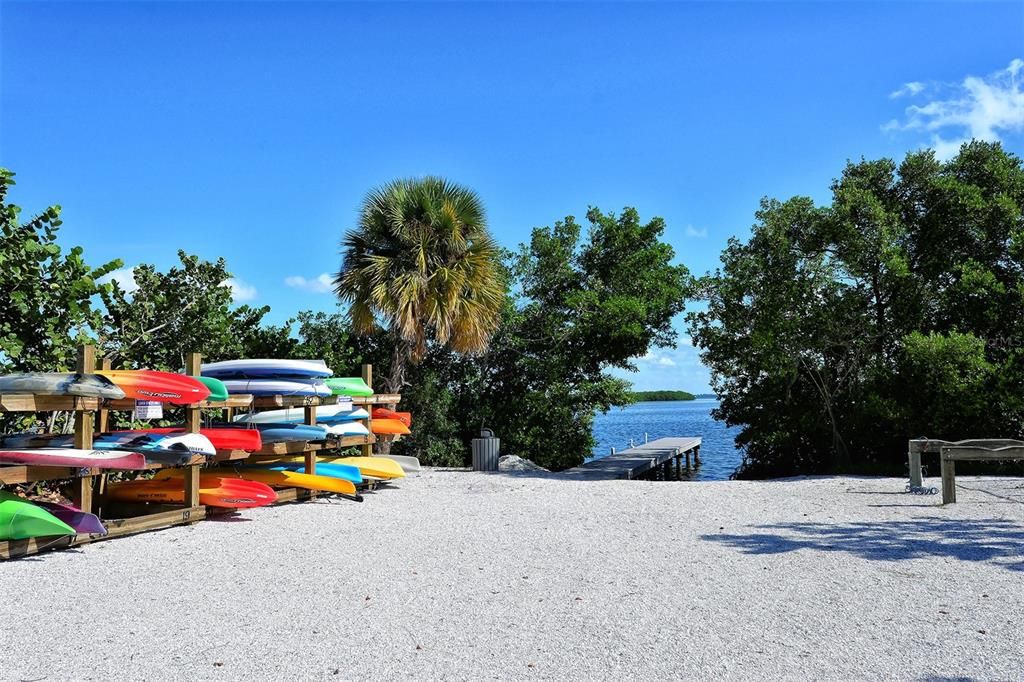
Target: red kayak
(75,459)
(384,413)
(164,387)
(222,439)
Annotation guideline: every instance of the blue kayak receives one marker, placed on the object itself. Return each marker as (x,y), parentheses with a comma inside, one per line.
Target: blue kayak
(279,433)
(342,471)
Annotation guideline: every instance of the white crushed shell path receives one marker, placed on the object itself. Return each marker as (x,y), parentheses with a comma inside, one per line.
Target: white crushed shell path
(458,575)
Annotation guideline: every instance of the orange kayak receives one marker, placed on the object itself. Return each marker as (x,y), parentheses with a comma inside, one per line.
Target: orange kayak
(279,479)
(214,491)
(384,413)
(164,387)
(388,426)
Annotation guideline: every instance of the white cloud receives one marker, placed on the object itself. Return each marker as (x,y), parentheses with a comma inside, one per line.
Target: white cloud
(909,89)
(658,358)
(321,284)
(979,107)
(670,369)
(692,231)
(240,291)
(125,278)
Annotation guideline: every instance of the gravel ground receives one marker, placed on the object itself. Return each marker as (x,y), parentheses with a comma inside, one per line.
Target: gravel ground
(472,576)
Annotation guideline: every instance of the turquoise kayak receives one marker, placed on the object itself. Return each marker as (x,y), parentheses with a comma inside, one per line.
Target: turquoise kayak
(345,472)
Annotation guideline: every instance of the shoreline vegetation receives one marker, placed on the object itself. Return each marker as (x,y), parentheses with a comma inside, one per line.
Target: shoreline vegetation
(661,396)
(830,341)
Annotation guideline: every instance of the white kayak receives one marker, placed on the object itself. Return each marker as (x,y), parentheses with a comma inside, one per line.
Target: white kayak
(267,368)
(410,465)
(61,383)
(300,387)
(297,415)
(132,441)
(348,429)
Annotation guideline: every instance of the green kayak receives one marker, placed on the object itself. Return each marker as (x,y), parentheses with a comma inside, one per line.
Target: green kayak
(20,520)
(353,386)
(218,391)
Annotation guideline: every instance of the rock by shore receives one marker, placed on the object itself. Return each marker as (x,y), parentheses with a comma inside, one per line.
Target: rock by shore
(517,463)
(481,576)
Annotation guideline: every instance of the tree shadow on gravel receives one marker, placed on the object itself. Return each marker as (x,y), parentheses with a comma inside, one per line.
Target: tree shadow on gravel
(997,541)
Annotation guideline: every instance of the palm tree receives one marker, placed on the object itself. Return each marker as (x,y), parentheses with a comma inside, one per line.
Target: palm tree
(422,262)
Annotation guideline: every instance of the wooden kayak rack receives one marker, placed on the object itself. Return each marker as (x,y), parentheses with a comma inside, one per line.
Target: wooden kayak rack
(92,415)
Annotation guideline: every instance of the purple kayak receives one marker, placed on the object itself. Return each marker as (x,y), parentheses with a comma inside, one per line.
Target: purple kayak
(83,522)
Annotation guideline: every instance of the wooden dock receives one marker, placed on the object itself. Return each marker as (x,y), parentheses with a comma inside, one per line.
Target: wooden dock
(668,459)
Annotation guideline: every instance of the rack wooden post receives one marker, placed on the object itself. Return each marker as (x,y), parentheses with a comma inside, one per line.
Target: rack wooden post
(81,492)
(103,414)
(193,417)
(367,448)
(310,455)
(102,426)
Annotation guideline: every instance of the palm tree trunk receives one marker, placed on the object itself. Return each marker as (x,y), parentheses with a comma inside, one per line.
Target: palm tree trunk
(399,363)
(395,382)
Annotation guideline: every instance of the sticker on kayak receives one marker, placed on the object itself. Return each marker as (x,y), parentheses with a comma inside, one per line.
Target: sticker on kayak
(149,409)
(158,394)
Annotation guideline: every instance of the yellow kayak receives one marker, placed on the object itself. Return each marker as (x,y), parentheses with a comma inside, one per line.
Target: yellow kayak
(377,467)
(276,479)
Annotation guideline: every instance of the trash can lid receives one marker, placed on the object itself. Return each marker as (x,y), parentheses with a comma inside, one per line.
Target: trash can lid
(486,433)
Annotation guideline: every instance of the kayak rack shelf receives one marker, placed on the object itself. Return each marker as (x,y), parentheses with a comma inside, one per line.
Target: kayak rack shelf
(93,414)
(233,401)
(27,402)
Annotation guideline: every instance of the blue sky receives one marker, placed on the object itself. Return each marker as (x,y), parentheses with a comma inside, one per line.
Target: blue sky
(252,131)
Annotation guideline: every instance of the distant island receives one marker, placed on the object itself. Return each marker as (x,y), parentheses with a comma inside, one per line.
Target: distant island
(658,396)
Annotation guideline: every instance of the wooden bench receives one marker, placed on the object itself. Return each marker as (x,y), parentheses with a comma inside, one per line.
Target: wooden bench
(951,453)
(920,446)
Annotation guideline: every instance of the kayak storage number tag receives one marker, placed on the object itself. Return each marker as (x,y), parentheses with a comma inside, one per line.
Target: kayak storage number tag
(345,403)
(149,409)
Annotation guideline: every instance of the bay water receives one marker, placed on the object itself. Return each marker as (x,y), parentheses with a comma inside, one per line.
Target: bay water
(718,453)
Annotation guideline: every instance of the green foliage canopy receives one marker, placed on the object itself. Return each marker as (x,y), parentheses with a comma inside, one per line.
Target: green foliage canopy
(188,308)
(836,333)
(46,310)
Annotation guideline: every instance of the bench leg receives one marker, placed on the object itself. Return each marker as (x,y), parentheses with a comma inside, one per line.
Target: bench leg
(948,481)
(914,464)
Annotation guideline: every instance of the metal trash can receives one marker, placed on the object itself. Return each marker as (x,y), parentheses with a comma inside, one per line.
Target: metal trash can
(485,451)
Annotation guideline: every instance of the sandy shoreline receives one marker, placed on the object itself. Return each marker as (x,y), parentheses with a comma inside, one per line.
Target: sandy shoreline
(469,576)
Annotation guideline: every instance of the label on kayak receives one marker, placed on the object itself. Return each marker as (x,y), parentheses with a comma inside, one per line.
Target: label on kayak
(149,409)
(345,403)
